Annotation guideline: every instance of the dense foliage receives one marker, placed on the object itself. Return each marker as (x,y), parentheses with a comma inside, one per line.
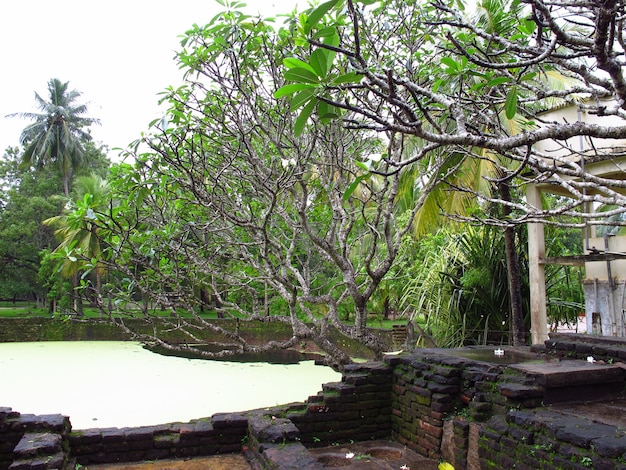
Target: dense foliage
(304,172)
(36,182)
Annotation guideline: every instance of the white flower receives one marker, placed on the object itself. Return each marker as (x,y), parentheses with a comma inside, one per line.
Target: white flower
(287,162)
(350,455)
(590,359)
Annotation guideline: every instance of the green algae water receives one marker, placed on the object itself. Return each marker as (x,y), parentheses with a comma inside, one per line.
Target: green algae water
(119,384)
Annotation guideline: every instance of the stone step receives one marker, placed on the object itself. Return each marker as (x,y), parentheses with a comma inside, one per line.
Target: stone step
(36,444)
(275,443)
(571,372)
(48,462)
(569,381)
(31,423)
(40,451)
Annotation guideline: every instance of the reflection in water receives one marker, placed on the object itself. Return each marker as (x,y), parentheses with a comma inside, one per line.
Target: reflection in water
(118,384)
(495,355)
(279,356)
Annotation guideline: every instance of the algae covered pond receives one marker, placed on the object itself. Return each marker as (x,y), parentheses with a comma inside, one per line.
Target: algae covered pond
(119,384)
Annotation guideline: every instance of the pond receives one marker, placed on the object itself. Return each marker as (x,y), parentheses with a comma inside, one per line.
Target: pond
(505,355)
(119,384)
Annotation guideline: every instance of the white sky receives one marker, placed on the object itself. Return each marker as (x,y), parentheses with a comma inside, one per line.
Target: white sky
(118,54)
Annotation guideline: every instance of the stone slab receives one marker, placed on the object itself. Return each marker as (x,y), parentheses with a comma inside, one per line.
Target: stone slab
(33,444)
(570,373)
(611,412)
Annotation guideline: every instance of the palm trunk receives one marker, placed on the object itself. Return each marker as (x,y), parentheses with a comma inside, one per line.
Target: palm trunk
(514,279)
(66,183)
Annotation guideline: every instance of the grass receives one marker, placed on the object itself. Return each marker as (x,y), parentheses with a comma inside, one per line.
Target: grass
(10,309)
(21,309)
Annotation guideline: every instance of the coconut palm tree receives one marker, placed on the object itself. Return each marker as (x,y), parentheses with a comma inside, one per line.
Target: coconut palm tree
(57,133)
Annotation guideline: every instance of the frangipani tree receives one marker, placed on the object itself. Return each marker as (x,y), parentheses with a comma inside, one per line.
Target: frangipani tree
(449,81)
(474,89)
(240,207)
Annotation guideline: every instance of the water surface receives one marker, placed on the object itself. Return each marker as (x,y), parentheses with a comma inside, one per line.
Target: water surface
(119,384)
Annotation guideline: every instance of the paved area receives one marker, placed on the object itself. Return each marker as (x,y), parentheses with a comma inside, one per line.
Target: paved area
(611,412)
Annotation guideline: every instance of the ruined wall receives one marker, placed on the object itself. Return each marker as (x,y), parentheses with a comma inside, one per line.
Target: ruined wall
(542,438)
(470,413)
(33,441)
(47,442)
(222,433)
(357,408)
(431,389)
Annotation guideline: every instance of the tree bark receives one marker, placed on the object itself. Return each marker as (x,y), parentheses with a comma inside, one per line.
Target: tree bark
(518,335)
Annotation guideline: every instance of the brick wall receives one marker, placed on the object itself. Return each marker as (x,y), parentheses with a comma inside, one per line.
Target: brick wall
(357,408)
(542,438)
(33,441)
(430,387)
(219,434)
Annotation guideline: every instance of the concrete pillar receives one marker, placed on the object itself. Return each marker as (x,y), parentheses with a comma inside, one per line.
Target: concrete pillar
(537,275)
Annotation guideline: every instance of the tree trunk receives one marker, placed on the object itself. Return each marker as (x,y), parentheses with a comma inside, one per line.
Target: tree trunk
(66,184)
(386,309)
(360,319)
(514,280)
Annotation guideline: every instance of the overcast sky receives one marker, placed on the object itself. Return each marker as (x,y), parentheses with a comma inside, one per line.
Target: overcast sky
(118,53)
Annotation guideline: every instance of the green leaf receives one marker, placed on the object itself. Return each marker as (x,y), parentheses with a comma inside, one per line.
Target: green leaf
(333,41)
(299,99)
(510,105)
(351,77)
(326,32)
(294,62)
(304,116)
(319,61)
(326,112)
(355,184)
(498,81)
(290,89)
(362,165)
(450,62)
(302,75)
(317,14)
(528,76)
(527,26)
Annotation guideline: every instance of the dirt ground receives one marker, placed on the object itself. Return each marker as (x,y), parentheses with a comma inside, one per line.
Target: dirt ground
(217,462)
(373,455)
(370,455)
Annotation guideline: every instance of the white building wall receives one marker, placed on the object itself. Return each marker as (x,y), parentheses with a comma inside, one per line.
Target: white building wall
(604,306)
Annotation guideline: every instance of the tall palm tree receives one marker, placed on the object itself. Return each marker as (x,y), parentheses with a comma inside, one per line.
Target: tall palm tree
(57,133)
